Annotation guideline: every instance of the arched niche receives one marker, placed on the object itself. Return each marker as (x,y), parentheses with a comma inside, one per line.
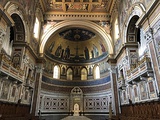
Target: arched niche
(76,99)
(18,29)
(135,10)
(16,8)
(133,33)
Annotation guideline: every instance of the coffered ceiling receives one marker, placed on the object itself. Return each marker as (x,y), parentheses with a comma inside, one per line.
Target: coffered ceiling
(77,9)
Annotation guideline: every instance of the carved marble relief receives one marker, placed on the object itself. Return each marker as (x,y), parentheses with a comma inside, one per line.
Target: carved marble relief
(151,88)
(129,92)
(143,90)
(133,57)
(17,57)
(2,34)
(124,96)
(136,94)
(13,91)
(5,90)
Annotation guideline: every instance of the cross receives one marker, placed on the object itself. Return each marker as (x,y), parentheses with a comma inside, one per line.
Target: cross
(76,50)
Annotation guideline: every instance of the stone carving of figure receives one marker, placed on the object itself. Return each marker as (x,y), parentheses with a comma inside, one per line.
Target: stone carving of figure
(86,53)
(58,51)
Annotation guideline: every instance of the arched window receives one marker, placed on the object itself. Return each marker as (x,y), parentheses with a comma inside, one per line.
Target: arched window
(56,72)
(12,38)
(11,34)
(116,27)
(83,74)
(36,28)
(69,74)
(96,72)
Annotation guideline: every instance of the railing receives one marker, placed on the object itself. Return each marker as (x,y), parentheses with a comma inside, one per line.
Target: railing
(6,66)
(142,67)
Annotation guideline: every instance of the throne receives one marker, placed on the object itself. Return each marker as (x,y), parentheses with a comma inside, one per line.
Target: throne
(76,110)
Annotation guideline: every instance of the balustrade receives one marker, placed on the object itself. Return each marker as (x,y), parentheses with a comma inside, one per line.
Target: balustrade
(142,67)
(6,66)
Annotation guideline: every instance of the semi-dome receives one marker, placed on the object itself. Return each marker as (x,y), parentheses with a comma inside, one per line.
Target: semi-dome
(76,45)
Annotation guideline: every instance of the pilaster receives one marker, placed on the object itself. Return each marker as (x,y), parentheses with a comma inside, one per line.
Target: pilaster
(113,75)
(36,91)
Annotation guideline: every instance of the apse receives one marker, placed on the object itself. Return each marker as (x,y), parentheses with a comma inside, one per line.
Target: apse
(76,45)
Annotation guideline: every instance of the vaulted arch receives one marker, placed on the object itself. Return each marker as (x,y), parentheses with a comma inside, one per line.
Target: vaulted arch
(135,10)
(85,24)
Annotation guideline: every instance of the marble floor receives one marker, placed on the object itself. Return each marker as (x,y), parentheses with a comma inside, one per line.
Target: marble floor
(76,118)
(66,117)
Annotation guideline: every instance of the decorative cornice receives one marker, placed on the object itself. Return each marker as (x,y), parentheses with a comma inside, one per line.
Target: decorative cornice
(124,46)
(66,89)
(27,46)
(78,16)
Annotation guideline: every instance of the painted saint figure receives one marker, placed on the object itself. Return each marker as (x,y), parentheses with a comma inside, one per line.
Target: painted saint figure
(95,51)
(86,53)
(67,53)
(51,46)
(62,53)
(92,54)
(102,47)
(58,51)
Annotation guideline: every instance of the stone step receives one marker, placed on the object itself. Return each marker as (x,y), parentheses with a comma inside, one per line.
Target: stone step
(76,118)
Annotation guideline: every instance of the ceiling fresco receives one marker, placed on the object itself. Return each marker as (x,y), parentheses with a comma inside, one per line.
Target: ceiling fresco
(65,46)
(77,5)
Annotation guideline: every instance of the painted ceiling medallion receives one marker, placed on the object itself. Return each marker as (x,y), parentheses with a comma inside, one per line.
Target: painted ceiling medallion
(76,34)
